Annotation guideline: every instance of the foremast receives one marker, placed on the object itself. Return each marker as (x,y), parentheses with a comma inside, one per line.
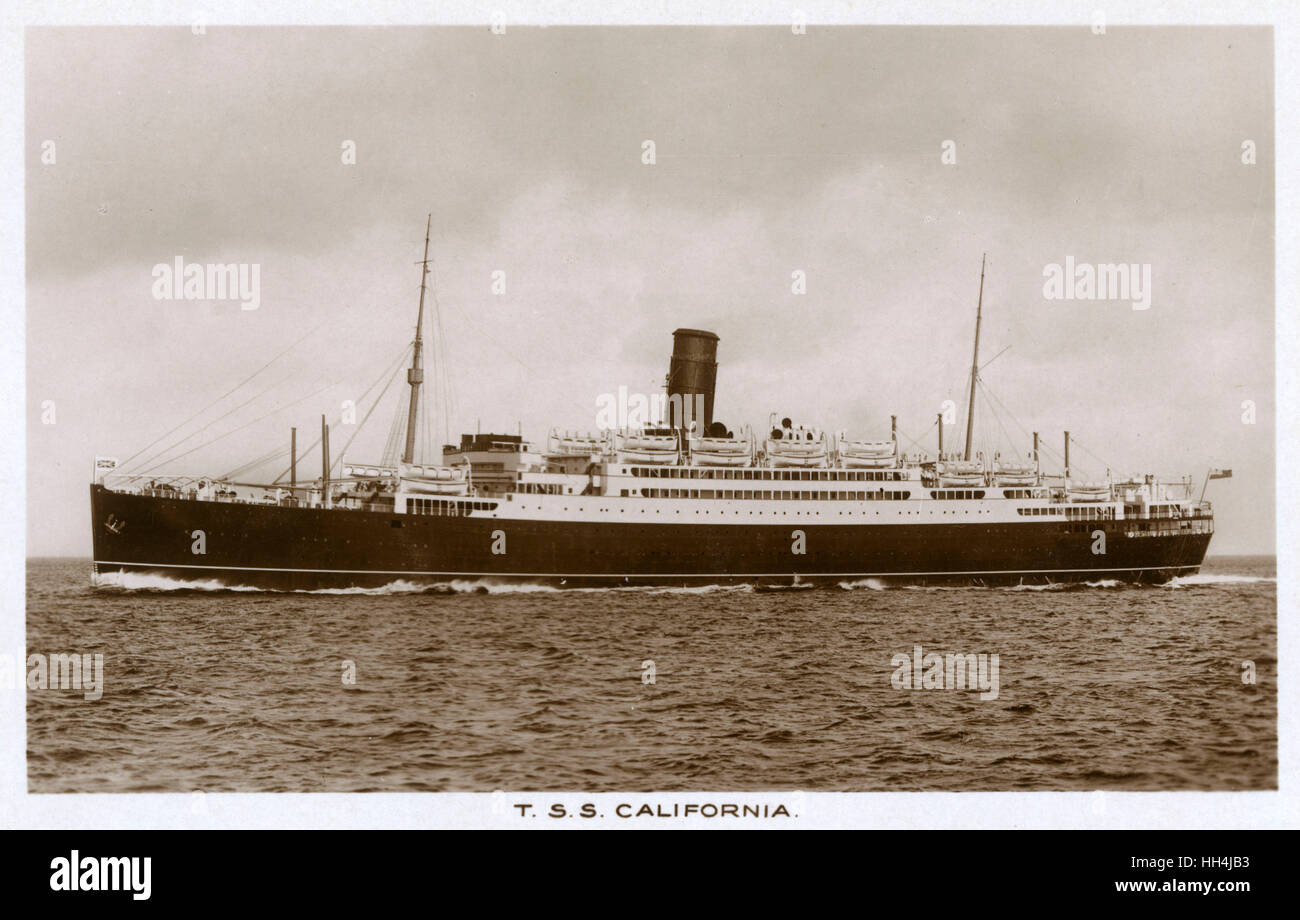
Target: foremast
(415,374)
(975,364)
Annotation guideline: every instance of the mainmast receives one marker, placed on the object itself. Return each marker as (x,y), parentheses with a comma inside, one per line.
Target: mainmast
(975,363)
(415,375)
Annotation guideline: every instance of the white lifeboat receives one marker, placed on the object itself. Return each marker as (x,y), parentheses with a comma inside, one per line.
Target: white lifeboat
(434,480)
(638,447)
(958,474)
(721,451)
(797,452)
(1088,491)
(572,444)
(864,454)
(1011,474)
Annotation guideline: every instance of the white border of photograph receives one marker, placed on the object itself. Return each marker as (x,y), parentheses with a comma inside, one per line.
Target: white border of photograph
(18,808)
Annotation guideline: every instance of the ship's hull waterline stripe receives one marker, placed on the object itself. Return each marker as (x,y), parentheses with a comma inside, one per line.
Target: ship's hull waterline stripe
(243,568)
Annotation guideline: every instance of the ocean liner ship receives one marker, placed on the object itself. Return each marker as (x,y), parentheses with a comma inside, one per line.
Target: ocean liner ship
(684,502)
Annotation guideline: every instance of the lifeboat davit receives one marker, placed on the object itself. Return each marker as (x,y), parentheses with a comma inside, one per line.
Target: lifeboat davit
(864,454)
(434,480)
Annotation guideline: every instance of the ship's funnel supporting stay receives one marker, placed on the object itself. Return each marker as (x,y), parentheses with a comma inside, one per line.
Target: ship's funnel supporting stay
(692,377)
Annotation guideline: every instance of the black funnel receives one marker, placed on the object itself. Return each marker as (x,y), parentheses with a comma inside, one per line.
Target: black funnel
(692,373)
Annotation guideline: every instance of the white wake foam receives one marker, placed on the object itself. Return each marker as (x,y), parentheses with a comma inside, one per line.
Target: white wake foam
(140,581)
(872,584)
(1202,578)
(693,589)
(144,581)
(1065,585)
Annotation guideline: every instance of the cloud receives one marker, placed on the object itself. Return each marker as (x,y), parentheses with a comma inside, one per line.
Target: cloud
(775,155)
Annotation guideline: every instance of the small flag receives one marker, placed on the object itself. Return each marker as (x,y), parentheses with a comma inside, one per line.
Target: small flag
(1220,474)
(103,466)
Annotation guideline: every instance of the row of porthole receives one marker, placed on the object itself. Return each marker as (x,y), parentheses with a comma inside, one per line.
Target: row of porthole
(707,511)
(761,513)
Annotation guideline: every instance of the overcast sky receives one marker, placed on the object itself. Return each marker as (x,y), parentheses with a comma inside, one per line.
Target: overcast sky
(775,152)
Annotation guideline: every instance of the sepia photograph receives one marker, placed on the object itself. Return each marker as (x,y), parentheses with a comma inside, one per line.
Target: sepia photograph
(704,416)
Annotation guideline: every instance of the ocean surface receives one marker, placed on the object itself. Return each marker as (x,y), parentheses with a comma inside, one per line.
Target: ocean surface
(475,688)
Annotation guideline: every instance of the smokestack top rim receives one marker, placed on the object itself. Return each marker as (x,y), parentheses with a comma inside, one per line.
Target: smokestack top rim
(696,332)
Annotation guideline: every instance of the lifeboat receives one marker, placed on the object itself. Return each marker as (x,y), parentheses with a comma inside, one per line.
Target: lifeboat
(367,471)
(1008,474)
(659,449)
(864,454)
(960,474)
(434,480)
(721,451)
(796,453)
(572,444)
(1088,492)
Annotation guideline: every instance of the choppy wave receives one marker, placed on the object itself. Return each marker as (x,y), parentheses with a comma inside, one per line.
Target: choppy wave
(670,687)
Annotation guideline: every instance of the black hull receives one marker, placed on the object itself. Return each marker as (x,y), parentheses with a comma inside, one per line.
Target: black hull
(291,549)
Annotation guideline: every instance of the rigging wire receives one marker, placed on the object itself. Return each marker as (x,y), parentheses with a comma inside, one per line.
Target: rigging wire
(1075,442)
(1009,413)
(163,437)
(277,453)
(396,434)
(397,428)
(442,375)
(389,370)
(366,417)
(423,424)
(994,358)
(154,462)
(1052,454)
(266,458)
(492,340)
(915,442)
(1044,447)
(232,431)
(1006,436)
